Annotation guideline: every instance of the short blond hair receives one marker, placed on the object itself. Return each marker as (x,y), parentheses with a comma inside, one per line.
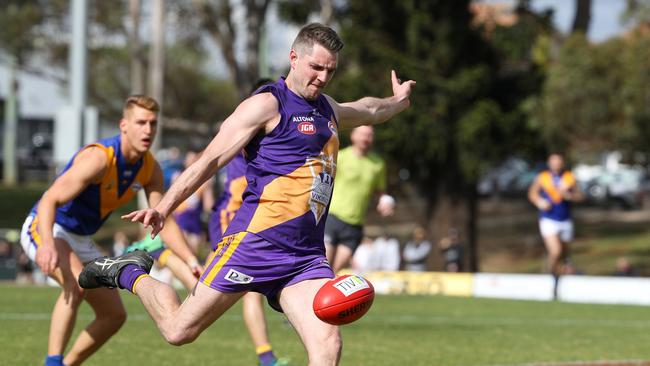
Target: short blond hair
(141,101)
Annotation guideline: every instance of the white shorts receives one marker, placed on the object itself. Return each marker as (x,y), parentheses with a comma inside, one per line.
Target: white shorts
(82,245)
(549,227)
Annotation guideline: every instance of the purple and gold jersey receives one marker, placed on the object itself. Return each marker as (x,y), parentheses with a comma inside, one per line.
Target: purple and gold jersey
(549,183)
(290,174)
(86,213)
(230,200)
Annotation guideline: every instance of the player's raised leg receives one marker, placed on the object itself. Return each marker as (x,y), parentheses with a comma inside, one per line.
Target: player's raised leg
(321,340)
(178,323)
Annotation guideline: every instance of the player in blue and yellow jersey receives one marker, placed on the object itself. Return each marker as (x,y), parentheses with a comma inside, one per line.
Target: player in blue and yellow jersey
(274,244)
(57,233)
(552,192)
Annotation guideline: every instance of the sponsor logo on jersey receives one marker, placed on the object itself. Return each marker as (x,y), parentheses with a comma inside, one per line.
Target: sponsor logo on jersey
(237,277)
(306,128)
(128,173)
(350,285)
(332,127)
(302,119)
(136,186)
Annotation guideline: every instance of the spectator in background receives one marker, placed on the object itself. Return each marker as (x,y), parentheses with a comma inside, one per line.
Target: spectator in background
(25,268)
(361,260)
(385,254)
(624,268)
(416,252)
(451,249)
(6,251)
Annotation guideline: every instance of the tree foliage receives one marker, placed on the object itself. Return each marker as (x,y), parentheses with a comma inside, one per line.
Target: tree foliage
(191,92)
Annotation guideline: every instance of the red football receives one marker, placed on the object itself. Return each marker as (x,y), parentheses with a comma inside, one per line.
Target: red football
(344,299)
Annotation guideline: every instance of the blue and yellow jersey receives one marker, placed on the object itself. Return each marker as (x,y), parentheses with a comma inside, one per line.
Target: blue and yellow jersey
(86,213)
(549,190)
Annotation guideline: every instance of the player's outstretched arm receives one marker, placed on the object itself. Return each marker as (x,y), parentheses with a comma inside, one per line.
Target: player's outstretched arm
(259,112)
(88,167)
(371,110)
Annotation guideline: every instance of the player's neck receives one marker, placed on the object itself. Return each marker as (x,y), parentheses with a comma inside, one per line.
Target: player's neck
(291,84)
(129,153)
(359,151)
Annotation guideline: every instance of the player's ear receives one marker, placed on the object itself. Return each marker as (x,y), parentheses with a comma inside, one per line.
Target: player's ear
(293,58)
(123,124)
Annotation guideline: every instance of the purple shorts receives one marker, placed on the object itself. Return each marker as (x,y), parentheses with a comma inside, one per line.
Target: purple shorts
(247,262)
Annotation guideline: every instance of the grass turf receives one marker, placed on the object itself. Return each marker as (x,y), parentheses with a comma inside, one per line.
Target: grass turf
(408,330)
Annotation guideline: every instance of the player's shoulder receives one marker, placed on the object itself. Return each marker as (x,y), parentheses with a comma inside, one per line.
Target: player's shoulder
(94,154)
(259,105)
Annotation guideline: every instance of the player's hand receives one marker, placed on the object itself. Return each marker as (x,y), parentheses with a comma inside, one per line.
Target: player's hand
(195,267)
(401,90)
(543,205)
(47,258)
(149,217)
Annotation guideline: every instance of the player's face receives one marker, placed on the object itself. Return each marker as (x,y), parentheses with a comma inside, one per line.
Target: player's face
(139,126)
(555,163)
(362,137)
(313,70)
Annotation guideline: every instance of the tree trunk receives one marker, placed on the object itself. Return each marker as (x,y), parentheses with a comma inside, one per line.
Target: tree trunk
(472,259)
(137,56)
(582,17)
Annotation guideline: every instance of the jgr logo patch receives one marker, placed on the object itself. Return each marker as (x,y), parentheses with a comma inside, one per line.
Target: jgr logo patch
(237,277)
(306,128)
(350,285)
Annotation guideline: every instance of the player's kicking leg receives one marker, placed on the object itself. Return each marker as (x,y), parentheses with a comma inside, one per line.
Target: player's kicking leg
(178,323)
(321,340)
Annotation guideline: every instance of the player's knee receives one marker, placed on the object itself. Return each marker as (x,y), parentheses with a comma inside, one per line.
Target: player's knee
(328,350)
(73,295)
(119,317)
(112,318)
(179,337)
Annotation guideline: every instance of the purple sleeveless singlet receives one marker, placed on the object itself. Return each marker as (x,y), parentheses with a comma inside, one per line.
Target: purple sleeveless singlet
(276,237)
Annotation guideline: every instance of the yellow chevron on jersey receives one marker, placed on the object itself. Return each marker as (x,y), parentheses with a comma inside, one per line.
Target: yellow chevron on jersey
(296,193)
(551,190)
(109,196)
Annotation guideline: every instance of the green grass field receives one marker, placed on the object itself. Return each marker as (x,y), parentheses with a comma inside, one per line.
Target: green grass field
(406,330)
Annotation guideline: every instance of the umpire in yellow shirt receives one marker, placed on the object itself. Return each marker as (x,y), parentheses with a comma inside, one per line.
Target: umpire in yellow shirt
(360,175)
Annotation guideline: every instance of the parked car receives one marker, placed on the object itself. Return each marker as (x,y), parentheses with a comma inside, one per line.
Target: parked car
(625,188)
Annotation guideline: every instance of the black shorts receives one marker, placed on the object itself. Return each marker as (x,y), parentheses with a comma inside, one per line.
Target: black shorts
(340,232)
